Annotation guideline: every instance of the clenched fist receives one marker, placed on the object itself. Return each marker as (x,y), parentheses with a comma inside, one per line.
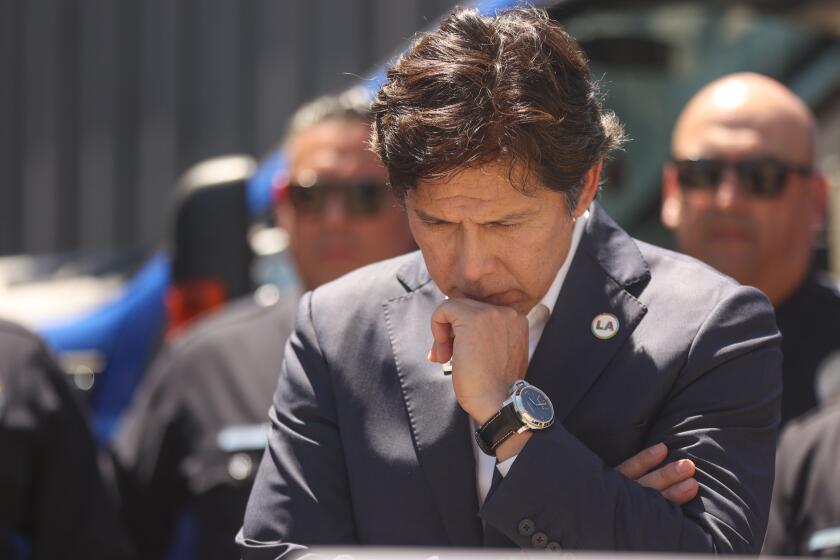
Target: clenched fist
(488,346)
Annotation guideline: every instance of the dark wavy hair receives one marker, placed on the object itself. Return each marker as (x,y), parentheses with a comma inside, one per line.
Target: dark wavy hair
(514,87)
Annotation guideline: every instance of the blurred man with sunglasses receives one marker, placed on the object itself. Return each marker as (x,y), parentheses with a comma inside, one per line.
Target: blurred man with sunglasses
(334,201)
(742,194)
(187,451)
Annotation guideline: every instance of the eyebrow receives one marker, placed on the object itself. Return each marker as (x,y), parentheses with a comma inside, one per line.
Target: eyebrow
(515,216)
(509,217)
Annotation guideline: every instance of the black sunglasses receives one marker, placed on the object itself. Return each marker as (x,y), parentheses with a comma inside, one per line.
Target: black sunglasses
(363,199)
(763,177)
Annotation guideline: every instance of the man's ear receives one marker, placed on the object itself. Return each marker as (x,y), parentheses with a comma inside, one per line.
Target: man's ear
(590,189)
(671,197)
(284,214)
(819,202)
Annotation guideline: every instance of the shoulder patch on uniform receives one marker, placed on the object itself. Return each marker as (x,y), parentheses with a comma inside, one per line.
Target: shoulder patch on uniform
(824,538)
(242,437)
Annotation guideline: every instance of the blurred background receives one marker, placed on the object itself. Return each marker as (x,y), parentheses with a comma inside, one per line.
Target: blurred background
(106,109)
(103,104)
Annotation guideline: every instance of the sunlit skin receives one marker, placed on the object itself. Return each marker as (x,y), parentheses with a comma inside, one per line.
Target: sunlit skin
(762,242)
(485,240)
(675,481)
(327,245)
(494,247)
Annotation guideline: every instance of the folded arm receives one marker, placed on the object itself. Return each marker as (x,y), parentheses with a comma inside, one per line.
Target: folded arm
(722,414)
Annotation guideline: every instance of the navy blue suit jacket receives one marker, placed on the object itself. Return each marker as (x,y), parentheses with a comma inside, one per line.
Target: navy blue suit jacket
(368,444)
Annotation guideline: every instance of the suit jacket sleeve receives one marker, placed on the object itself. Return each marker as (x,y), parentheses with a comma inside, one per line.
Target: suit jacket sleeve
(301,491)
(722,413)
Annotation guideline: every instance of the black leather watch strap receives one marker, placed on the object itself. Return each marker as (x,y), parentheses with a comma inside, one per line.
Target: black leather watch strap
(497,429)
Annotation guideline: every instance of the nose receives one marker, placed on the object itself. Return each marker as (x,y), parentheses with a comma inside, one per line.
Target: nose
(728,194)
(335,214)
(475,257)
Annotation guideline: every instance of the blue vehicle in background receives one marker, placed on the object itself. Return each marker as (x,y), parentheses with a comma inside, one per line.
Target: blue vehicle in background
(650,57)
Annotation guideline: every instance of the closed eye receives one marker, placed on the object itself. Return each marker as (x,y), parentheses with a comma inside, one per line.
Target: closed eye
(502,225)
(511,220)
(434,223)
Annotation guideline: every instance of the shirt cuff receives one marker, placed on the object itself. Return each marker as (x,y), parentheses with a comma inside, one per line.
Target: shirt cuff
(505,465)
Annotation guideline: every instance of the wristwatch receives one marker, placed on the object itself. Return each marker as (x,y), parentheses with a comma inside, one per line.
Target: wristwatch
(527,408)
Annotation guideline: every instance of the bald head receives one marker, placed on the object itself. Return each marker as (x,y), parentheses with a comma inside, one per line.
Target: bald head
(743,110)
(750,201)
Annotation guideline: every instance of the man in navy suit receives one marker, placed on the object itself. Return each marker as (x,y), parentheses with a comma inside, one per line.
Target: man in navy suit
(571,345)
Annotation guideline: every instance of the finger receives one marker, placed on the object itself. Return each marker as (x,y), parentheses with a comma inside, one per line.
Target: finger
(669,475)
(642,462)
(441,352)
(443,335)
(683,492)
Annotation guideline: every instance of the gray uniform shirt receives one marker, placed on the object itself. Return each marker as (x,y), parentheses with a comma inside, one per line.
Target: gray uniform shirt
(188,448)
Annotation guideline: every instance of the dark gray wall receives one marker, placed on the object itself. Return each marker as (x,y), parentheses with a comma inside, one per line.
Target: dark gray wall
(104,102)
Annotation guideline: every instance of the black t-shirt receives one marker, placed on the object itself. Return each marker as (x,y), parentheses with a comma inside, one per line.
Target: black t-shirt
(190,445)
(810,325)
(52,500)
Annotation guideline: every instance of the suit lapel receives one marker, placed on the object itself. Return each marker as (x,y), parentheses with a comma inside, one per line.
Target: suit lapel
(440,427)
(570,357)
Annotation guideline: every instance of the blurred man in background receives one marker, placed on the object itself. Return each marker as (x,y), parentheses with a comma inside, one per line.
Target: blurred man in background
(188,448)
(805,511)
(52,500)
(742,193)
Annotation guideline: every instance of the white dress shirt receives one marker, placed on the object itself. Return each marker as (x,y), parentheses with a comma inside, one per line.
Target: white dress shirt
(537,319)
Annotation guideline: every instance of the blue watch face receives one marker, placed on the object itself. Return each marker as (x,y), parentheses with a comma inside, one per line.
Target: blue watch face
(536,404)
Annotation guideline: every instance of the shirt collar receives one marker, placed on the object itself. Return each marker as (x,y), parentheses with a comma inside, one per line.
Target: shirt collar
(550,297)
